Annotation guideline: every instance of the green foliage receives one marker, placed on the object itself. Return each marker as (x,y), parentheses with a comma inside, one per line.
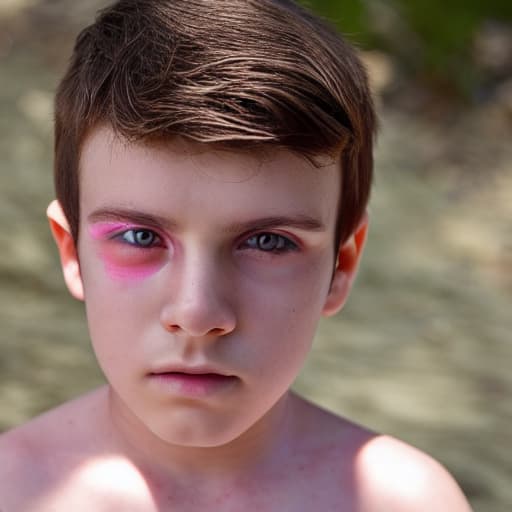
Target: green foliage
(445,32)
(351,17)
(432,38)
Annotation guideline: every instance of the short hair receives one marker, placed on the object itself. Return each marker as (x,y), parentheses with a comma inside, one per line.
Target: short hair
(237,74)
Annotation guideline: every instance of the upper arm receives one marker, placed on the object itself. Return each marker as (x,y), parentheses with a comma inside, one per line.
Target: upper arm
(395,477)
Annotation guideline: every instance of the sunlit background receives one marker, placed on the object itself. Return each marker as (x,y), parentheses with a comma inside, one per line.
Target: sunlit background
(423,350)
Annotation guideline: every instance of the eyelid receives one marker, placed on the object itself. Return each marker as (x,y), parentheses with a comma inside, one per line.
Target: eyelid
(111,229)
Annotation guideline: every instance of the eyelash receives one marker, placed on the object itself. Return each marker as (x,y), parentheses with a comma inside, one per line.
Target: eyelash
(282,244)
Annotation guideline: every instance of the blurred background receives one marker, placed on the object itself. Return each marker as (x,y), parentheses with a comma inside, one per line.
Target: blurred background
(423,350)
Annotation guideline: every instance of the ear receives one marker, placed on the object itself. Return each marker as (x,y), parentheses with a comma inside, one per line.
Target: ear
(67,249)
(347,263)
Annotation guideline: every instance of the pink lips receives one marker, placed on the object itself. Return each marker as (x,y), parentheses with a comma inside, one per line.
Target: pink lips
(193,384)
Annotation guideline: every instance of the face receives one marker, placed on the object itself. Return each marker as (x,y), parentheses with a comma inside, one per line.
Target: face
(204,276)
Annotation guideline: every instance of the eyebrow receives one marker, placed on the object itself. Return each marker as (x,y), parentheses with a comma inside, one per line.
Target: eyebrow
(299,221)
(132,216)
(303,222)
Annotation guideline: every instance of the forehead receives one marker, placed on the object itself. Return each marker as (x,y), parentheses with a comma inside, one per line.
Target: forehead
(189,179)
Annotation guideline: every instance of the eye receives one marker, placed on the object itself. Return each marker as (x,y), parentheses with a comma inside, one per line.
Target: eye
(270,242)
(141,238)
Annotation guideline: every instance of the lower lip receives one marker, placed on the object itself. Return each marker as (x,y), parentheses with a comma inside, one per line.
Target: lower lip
(193,385)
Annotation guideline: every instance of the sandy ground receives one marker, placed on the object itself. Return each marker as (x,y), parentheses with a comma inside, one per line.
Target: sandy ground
(422,351)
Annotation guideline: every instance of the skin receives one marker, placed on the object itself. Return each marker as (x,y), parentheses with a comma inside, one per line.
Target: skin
(191,260)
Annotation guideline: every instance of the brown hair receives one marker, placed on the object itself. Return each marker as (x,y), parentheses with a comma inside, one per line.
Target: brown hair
(234,73)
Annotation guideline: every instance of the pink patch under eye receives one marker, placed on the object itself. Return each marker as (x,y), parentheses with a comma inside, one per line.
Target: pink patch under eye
(127,252)
(123,261)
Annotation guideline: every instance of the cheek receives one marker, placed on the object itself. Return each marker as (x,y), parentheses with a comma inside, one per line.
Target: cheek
(114,334)
(298,290)
(286,313)
(124,263)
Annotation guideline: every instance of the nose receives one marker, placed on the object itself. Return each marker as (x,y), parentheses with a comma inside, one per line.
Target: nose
(201,305)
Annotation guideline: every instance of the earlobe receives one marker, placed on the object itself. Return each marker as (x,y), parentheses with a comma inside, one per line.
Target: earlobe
(347,263)
(67,249)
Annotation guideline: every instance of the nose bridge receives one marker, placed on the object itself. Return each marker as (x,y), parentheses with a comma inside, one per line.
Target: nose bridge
(200,283)
(202,304)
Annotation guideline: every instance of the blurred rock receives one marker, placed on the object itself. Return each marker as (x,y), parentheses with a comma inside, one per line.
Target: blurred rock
(381,71)
(493,48)
(9,8)
(504,97)
(37,106)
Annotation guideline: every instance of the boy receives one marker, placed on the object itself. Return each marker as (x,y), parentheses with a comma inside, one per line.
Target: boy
(213,162)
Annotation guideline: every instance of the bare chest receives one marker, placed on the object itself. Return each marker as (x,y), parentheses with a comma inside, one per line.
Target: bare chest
(104,492)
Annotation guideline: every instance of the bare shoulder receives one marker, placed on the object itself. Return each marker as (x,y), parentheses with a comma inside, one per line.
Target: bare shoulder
(393,475)
(40,450)
(55,427)
(374,472)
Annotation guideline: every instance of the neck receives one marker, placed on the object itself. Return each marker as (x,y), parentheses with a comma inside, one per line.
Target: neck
(255,450)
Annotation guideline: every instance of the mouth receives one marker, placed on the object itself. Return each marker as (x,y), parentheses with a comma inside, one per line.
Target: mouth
(192,382)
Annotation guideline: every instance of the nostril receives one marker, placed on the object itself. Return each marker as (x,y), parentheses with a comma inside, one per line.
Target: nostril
(217,331)
(172,328)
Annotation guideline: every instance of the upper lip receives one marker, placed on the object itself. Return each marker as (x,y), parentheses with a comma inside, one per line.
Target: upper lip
(191,370)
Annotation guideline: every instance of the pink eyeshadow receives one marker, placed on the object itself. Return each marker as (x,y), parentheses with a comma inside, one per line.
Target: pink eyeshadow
(102,229)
